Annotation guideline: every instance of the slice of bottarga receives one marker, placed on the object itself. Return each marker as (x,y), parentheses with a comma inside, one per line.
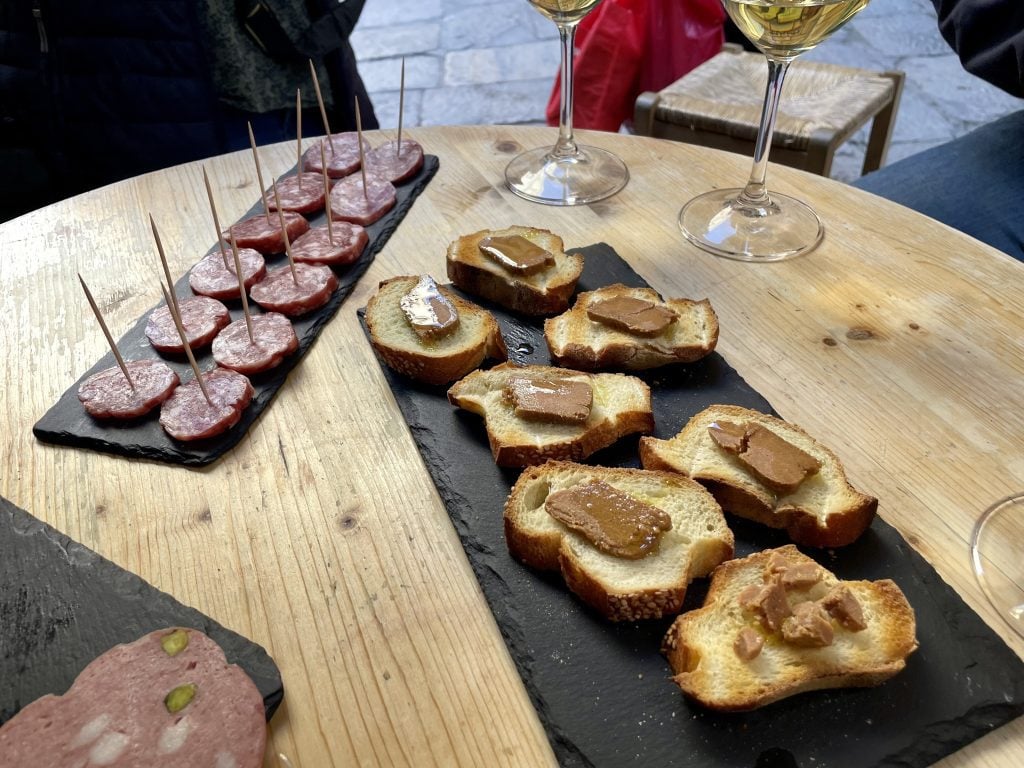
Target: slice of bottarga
(613,521)
(516,254)
(632,315)
(564,401)
(429,312)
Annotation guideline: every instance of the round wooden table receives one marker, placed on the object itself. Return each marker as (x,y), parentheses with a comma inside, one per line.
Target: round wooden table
(899,342)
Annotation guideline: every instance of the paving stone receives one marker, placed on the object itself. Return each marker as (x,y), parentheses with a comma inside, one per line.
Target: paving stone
(382,42)
(910,34)
(385,104)
(494,103)
(501,65)
(386,74)
(957,93)
(481,26)
(386,13)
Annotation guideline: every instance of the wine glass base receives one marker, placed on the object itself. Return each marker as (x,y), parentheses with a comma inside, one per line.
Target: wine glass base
(783,229)
(996,556)
(589,175)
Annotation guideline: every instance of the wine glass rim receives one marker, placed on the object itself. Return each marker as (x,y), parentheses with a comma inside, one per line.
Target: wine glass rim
(976,557)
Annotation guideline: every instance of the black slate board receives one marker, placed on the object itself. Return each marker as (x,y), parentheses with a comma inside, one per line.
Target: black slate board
(67,423)
(603,690)
(62,605)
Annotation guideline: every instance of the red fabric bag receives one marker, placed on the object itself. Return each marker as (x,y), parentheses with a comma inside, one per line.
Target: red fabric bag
(626,47)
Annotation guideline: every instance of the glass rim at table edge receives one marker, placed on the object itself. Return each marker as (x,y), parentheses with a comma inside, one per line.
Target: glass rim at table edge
(977,560)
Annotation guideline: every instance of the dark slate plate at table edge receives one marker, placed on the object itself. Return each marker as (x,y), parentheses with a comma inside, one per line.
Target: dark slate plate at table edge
(63,605)
(66,422)
(904,722)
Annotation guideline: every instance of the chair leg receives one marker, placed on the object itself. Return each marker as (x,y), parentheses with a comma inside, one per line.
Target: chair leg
(882,126)
(821,150)
(643,115)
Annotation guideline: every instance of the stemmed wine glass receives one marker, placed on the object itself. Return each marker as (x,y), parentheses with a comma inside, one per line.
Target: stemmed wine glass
(569,173)
(998,558)
(749,224)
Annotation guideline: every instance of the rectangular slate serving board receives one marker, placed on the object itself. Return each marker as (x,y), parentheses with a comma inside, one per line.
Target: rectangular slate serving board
(62,605)
(67,423)
(603,691)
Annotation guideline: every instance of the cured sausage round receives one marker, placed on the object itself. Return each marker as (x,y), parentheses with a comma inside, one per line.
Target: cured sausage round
(279,291)
(264,234)
(315,247)
(349,203)
(188,416)
(395,166)
(274,337)
(307,198)
(211,278)
(119,712)
(108,395)
(201,318)
(342,161)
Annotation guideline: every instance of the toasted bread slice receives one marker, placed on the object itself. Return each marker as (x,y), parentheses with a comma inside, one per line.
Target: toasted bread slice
(621,406)
(439,360)
(620,589)
(577,341)
(699,644)
(543,293)
(823,511)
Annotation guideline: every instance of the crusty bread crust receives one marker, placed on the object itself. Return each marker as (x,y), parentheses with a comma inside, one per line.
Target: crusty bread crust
(577,341)
(622,406)
(544,293)
(440,361)
(621,590)
(699,649)
(825,511)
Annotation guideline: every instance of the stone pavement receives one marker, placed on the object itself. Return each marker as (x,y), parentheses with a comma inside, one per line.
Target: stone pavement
(494,61)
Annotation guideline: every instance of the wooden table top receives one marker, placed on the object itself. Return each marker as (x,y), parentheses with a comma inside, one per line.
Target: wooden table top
(899,342)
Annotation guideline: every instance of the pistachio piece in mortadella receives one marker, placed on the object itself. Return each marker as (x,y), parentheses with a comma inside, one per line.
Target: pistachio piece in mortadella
(174,642)
(180,697)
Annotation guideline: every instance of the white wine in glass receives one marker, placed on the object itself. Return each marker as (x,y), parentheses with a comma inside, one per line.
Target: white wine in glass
(568,173)
(749,224)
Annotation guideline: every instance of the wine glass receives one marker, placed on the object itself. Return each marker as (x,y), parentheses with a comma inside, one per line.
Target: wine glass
(997,557)
(749,224)
(569,173)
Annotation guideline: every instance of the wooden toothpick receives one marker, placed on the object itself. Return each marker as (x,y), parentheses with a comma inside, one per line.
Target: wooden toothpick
(320,102)
(298,133)
(401,108)
(359,141)
(284,231)
(188,350)
(216,220)
(259,171)
(106,333)
(167,271)
(327,195)
(241,289)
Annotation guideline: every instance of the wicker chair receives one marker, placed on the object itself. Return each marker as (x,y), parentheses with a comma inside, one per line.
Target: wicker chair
(718,105)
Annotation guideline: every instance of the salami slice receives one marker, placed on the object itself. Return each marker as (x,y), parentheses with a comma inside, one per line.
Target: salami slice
(168,699)
(307,198)
(201,318)
(315,247)
(264,234)
(211,278)
(280,292)
(343,160)
(108,395)
(388,163)
(349,203)
(275,340)
(188,416)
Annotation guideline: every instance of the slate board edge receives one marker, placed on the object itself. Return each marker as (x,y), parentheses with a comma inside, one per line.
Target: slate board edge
(53,433)
(939,740)
(22,523)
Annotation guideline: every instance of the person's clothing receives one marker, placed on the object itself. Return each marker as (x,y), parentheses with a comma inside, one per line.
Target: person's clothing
(93,91)
(976,182)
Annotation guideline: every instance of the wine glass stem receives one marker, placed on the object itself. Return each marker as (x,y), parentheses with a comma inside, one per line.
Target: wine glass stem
(755,193)
(566,143)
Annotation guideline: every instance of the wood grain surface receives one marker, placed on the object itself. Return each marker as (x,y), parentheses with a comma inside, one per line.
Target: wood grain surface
(899,342)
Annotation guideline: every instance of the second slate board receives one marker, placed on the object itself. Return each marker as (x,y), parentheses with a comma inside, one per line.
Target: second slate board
(67,423)
(603,690)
